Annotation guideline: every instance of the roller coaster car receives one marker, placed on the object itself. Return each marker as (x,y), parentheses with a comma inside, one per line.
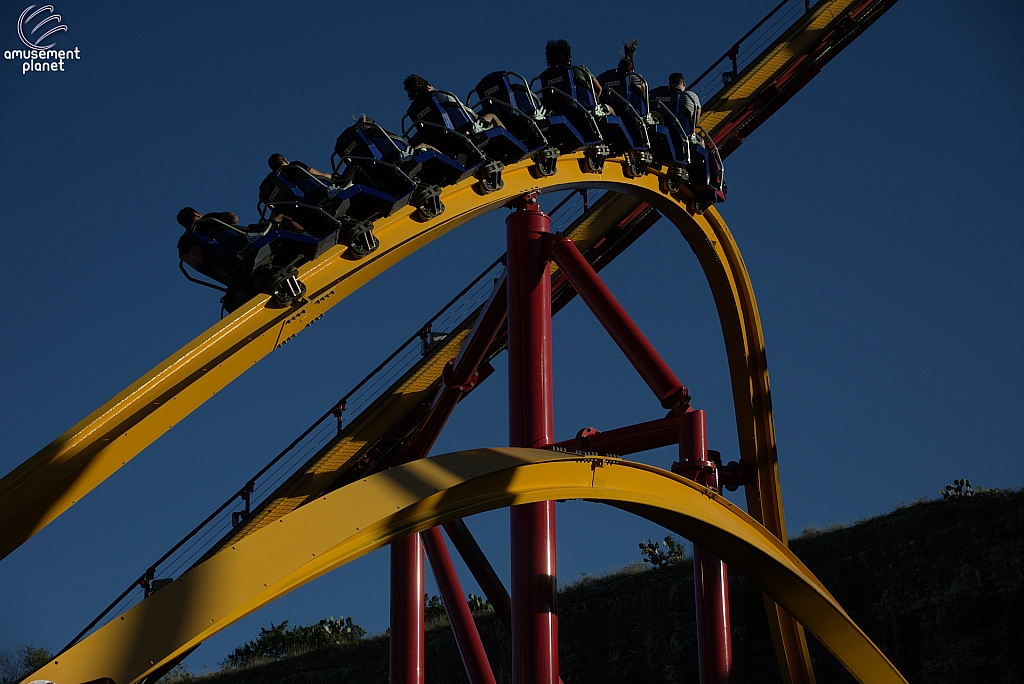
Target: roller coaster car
(329,212)
(507,95)
(625,92)
(247,261)
(367,140)
(689,155)
(571,121)
(670,143)
(443,126)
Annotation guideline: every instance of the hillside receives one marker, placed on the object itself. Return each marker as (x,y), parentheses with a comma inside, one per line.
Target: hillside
(937,585)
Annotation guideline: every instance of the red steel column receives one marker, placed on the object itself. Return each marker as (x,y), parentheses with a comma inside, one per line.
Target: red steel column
(407,652)
(531,419)
(710,574)
(467,638)
(711,590)
(407,611)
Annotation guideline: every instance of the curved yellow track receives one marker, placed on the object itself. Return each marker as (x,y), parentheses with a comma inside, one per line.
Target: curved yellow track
(371,513)
(44,486)
(55,478)
(60,474)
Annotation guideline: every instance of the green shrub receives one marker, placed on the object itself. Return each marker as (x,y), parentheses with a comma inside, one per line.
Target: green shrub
(960,489)
(435,613)
(279,641)
(479,605)
(675,552)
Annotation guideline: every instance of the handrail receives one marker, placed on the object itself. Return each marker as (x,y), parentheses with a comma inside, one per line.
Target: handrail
(733,52)
(339,407)
(181,266)
(336,410)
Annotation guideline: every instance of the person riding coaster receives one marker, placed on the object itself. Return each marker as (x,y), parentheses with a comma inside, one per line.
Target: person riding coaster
(389,156)
(506,96)
(682,146)
(569,96)
(327,206)
(438,123)
(246,260)
(624,92)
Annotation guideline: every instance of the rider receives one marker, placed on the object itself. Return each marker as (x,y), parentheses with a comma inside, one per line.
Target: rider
(558,53)
(354,173)
(422,94)
(223,227)
(278,161)
(626,67)
(188,216)
(676,92)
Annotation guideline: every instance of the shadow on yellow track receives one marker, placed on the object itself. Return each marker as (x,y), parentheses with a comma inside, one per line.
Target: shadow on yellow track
(64,471)
(371,513)
(55,478)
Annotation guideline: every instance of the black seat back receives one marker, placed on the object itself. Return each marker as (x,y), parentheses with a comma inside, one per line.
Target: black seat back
(368,139)
(442,108)
(292,183)
(674,101)
(508,87)
(630,85)
(573,81)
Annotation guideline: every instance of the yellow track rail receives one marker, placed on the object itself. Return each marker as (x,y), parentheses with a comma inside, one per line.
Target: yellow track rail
(60,474)
(762,73)
(371,513)
(319,474)
(52,480)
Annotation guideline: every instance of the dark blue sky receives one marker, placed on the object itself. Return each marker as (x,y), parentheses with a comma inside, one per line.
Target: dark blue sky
(878,213)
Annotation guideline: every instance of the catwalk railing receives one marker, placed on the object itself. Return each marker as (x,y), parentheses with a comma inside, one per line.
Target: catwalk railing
(714,80)
(746,50)
(327,427)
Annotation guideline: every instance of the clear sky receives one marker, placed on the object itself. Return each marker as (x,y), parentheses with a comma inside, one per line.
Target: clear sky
(879,214)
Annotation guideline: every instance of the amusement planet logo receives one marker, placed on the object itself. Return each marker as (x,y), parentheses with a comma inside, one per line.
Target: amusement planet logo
(36,26)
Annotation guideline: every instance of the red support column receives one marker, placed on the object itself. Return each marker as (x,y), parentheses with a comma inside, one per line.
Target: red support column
(531,419)
(407,611)
(467,638)
(407,654)
(711,590)
(710,574)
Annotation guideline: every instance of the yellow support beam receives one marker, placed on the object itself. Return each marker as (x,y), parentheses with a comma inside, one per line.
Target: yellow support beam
(748,370)
(371,513)
(772,63)
(55,478)
(45,485)
(64,471)
(320,472)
